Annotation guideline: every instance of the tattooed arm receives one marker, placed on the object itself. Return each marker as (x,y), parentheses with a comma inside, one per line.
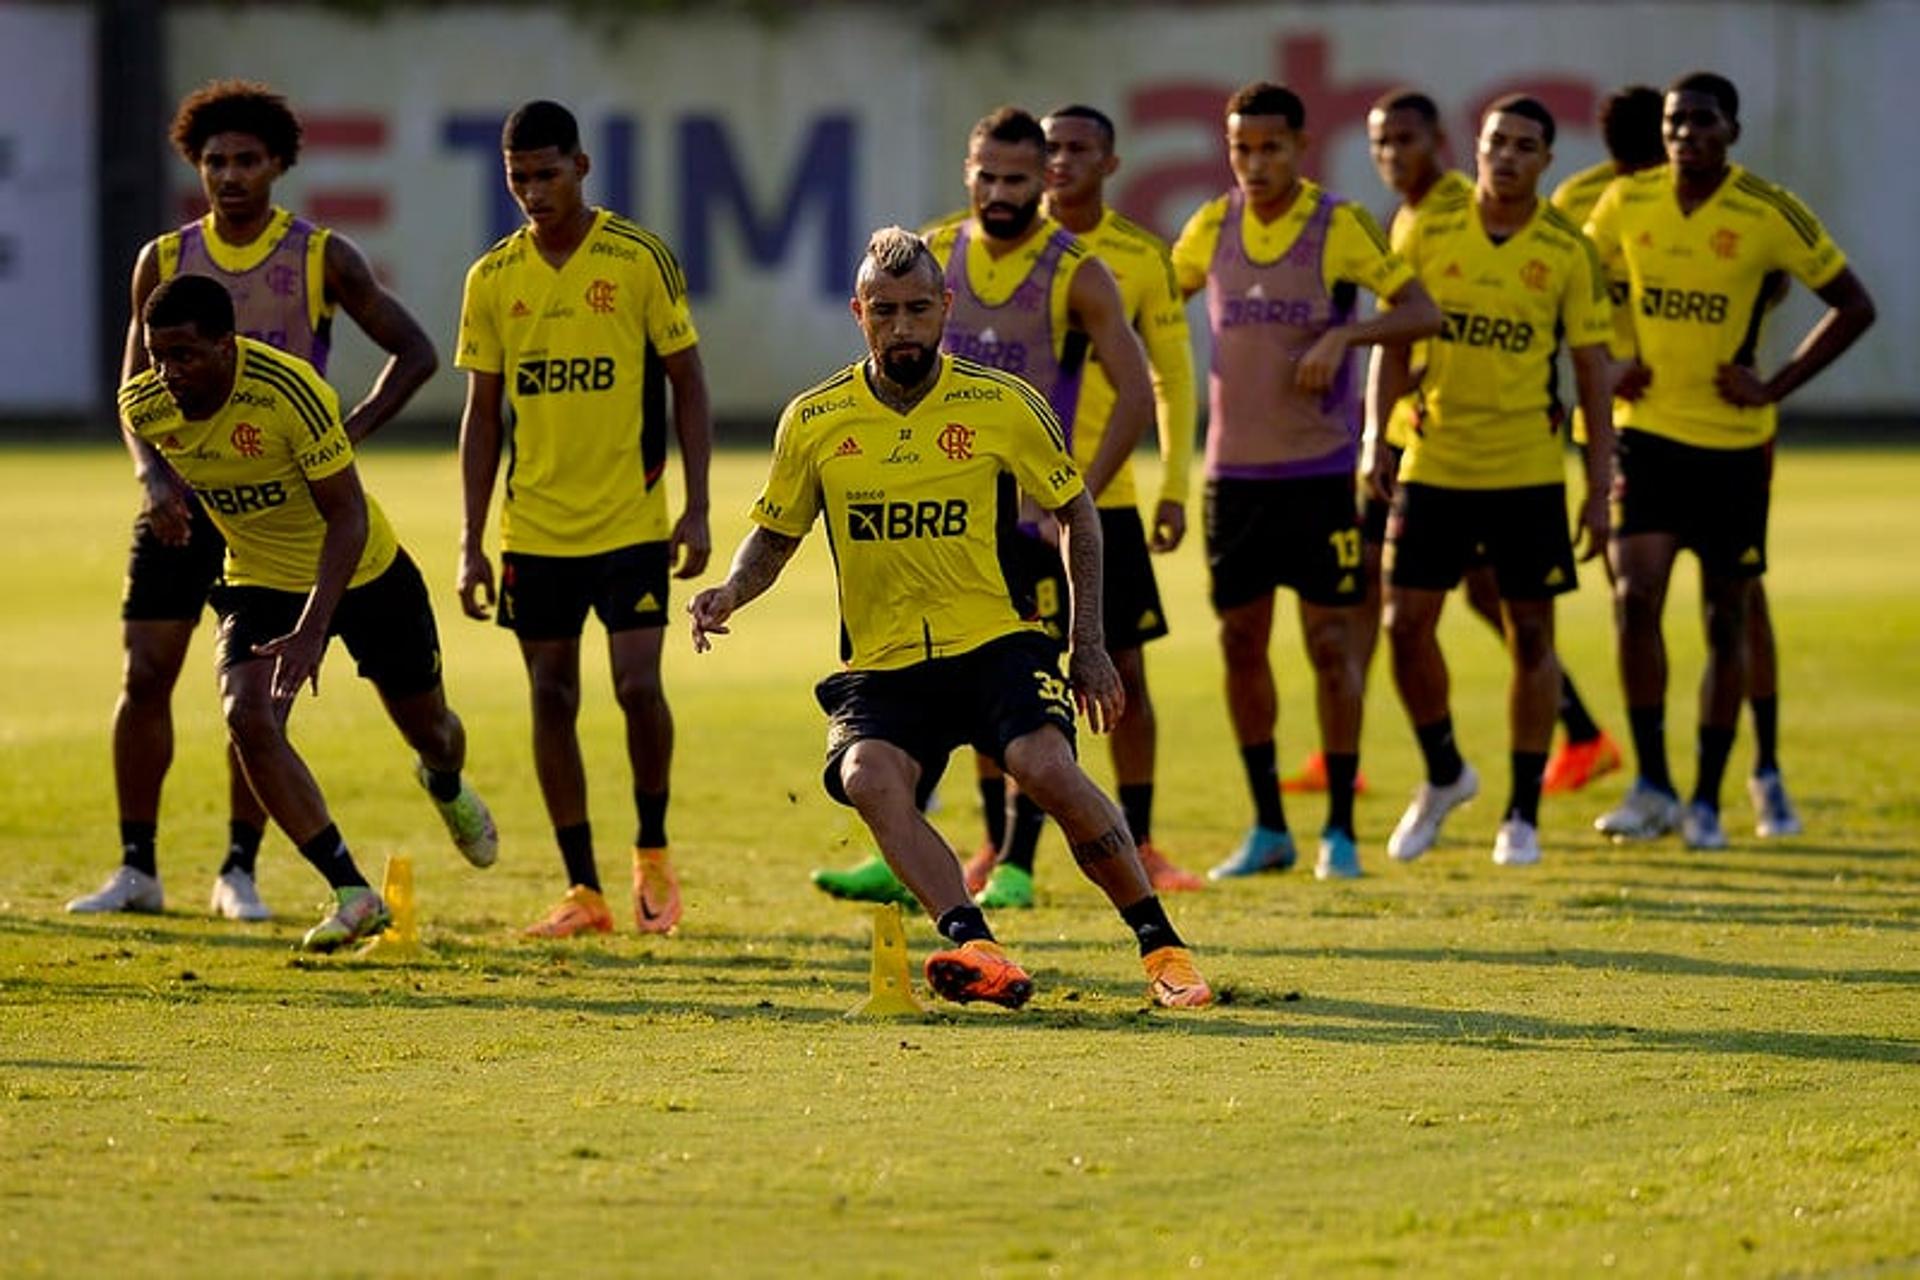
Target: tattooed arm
(755,567)
(1096,685)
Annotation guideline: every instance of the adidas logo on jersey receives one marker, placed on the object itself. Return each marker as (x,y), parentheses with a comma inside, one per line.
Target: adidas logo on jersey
(849,448)
(520,310)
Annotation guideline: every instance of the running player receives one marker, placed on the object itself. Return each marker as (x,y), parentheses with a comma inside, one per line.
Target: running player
(257,435)
(1029,299)
(1403,130)
(287,276)
(1702,245)
(1282,262)
(586,313)
(1482,476)
(909,455)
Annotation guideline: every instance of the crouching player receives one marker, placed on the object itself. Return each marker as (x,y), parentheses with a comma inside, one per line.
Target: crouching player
(912,456)
(257,435)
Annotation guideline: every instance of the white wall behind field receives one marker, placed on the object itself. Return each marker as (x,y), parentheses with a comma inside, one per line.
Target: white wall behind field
(765,153)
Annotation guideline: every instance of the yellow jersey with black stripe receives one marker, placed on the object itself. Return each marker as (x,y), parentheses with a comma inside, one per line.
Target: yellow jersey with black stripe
(249,464)
(579,348)
(917,504)
(1700,287)
(1449,189)
(1142,265)
(1490,417)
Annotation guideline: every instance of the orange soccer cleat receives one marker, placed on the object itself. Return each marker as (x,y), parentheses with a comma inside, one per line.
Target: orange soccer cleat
(1313,777)
(1172,980)
(656,892)
(1576,764)
(978,970)
(583,910)
(1163,875)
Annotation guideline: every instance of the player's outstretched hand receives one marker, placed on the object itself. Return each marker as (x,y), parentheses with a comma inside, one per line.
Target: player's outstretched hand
(476,583)
(1741,387)
(1096,687)
(1596,526)
(1169,526)
(691,545)
(710,611)
(296,661)
(164,504)
(1315,371)
(1632,383)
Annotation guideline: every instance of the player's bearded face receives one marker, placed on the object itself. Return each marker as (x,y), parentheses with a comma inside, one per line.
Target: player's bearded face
(1005,181)
(902,318)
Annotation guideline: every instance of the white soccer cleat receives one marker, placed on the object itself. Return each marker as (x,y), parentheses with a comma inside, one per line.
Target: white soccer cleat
(236,897)
(1774,813)
(1419,826)
(1646,814)
(468,822)
(127,889)
(1517,845)
(1700,827)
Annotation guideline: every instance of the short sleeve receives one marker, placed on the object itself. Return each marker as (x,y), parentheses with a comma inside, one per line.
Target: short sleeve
(1585,313)
(479,347)
(331,452)
(1804,248)
(790,501)
(669,319)
(1193,251)
(1357,251)
(1603,229)
(1037,455)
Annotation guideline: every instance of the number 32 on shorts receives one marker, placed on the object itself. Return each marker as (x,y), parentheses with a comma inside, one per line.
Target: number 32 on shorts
(1346,547)
(1054,690)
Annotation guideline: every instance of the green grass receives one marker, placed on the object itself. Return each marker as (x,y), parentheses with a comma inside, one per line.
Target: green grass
(1634,1059)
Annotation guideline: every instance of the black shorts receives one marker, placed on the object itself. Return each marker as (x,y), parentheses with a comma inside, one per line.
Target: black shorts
(1437,534)
(986,697)
(1714,501)
(172,584)
(547,597)
(387,625)
(1303,534)
(1373,512)
(1130,609)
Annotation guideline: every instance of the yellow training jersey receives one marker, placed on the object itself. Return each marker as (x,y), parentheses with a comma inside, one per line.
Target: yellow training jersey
(1489,417)
(1576,197)
(238,259)
(916,504)
(580,350)
(1450,186)
(1700,286)
(1356,250)
(250,462)
(1142,267)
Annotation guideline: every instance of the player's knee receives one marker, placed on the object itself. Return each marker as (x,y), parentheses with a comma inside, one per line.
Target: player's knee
(1331,650)
(1407,629)
(874,789)
(1637,603)
(1532,646)
(639,692)
(148,678)
(1242,642)
(251,724)
(555,698)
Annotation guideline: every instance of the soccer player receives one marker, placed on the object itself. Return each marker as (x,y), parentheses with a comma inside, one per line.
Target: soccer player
(909,454)
(1482,473)
(287,277)
(1702,244)
(1282,261)
(1404,133)
(1031,300)
(258,435)
(579,321)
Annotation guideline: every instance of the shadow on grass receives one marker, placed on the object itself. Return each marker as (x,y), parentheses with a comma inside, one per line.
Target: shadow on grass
(1647,962)
(65,1064)
(1638,905)
(1368,1022)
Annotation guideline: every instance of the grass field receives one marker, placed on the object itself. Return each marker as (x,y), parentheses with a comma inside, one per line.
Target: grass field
(1638,1060)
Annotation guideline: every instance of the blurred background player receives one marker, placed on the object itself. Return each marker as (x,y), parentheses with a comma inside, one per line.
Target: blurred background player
(1409,146)
(937,653)
(1482,475)
(1030,300)
(586,312)
(1703,247)
(1282,262)
(286,277)
(258,436)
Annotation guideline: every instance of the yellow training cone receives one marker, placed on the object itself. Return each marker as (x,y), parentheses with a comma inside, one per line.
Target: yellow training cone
(401,938)
(892,989)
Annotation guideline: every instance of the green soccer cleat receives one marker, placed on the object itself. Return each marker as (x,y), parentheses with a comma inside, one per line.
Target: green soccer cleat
(357,913)
(1009,888)
(869,881)
(468,821)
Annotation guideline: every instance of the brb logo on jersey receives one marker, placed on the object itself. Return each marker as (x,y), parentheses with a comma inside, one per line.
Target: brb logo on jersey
(1471,330)
(1294,313)
(246,440)
(542,377)
(899,521)
(1684,304)
(243,498)
(986,348)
